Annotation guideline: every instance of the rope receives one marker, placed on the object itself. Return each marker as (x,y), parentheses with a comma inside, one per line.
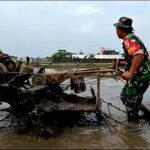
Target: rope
(115,120)
(110,116)
(110,104)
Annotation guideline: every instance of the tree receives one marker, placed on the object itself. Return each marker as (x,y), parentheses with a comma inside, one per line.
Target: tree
(59,56)
(81,53)
(91,56)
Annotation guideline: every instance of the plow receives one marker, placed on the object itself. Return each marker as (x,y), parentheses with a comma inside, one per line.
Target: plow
(40,102)
(25,90)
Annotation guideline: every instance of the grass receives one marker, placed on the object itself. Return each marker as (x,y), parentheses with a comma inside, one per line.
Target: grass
(72,65)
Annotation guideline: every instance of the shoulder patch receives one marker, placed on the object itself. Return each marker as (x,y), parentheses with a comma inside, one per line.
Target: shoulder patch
(132,46)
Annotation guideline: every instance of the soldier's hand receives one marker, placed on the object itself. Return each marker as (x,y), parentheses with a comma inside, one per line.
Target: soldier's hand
(127,75)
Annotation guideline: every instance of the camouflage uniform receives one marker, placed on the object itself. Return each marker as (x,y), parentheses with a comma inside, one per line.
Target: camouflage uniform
(132,93)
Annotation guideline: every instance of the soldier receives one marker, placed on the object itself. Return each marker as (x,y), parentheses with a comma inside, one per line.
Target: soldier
(137,69)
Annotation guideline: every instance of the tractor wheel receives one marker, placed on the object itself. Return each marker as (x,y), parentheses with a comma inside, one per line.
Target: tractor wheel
(10,64)
(38,79)
(3,68)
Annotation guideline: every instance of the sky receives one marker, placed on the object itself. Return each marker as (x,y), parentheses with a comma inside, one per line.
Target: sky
(40,28)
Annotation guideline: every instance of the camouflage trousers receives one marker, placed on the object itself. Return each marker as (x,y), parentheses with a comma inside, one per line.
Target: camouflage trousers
(132,94)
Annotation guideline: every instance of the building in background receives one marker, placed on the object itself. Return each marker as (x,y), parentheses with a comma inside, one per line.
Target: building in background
(108,55)
(108,51)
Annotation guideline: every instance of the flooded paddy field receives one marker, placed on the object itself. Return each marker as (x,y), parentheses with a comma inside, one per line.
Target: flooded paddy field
(90,135)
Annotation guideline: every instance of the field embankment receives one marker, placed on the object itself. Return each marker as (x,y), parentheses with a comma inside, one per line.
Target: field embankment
(72,65)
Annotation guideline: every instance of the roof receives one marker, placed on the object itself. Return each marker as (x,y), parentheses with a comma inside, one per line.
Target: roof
(108,57)
(81,56)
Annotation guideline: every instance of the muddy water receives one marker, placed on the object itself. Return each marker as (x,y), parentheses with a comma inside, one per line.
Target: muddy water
(92,137)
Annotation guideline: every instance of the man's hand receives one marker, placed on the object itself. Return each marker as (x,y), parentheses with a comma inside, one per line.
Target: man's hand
(127,75)
(136,62)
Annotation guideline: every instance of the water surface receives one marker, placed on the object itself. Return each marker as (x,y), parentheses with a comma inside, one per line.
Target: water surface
(91,137)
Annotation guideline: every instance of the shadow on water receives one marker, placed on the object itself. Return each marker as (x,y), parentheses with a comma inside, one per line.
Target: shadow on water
(87,134)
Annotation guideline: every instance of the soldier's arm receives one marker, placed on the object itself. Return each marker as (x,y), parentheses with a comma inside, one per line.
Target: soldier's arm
(136,62)
(134,50)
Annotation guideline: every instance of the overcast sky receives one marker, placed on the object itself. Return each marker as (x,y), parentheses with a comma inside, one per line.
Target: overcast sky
(40,28)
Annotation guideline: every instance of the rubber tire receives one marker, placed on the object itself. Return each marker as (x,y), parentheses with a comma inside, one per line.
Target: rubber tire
(3,68)
(10,61)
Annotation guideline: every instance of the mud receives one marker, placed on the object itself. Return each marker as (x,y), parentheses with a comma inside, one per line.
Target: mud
(88,134)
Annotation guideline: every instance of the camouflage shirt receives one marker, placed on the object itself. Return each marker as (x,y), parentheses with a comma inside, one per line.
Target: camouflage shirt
(132,46)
